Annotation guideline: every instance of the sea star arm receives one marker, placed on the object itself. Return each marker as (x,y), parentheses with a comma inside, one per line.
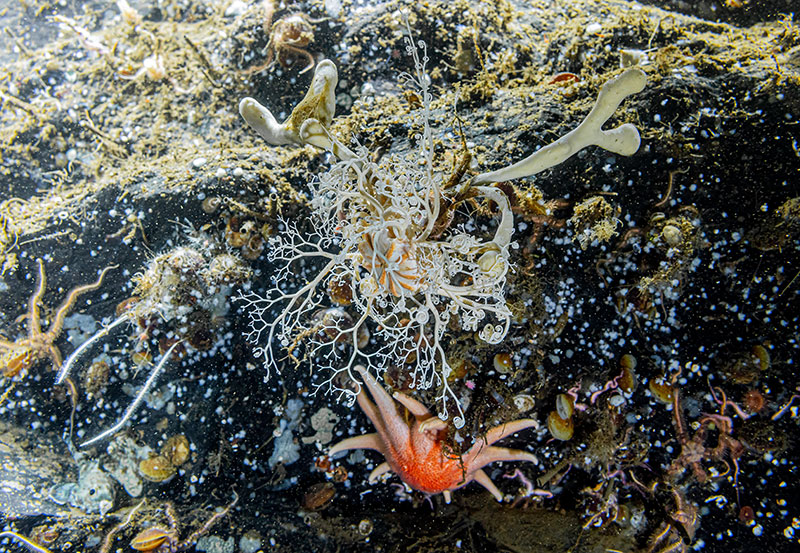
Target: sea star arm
(493,454)
(499,432)
(416,408)
(393,427)
(379,471)
(366,441)
(371,411)
(433,425)
(483,479)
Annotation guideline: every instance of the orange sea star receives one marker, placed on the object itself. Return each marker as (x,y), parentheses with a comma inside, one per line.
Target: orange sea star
(414,449)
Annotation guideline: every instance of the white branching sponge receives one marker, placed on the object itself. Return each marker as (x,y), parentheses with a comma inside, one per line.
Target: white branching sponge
(388,274)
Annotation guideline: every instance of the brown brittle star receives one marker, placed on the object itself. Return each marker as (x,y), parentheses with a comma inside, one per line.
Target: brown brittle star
(37,345)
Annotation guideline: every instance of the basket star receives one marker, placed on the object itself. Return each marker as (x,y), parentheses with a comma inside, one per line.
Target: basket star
(415,449)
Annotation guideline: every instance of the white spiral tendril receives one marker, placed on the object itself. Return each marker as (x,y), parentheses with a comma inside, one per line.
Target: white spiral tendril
(492,334)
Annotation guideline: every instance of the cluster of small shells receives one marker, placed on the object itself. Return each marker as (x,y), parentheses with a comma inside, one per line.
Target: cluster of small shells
(246,236)
(242,235)
(162,467)
(188,284)
(503,363)
(676,239)
(187,270)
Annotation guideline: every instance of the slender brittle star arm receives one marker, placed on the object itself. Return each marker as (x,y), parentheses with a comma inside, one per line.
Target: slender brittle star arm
(69,303)
(34,319)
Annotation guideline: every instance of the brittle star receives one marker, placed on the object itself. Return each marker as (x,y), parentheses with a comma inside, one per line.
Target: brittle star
(25,352)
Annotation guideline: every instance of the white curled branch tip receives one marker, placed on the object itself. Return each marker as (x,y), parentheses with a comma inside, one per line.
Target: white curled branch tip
(623,140)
